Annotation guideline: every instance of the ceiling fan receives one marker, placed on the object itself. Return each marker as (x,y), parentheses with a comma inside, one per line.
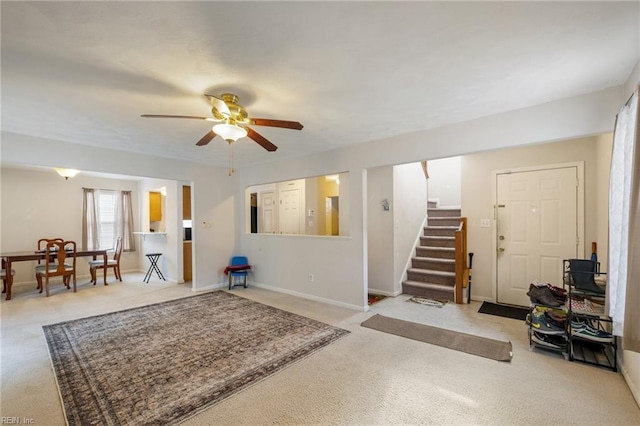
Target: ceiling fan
(233,122)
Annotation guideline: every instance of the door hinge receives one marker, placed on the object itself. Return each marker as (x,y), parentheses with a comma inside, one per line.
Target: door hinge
(577,240)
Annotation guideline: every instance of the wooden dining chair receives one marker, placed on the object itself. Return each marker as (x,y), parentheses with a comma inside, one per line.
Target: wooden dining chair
(3,277)
(42,243)
(111,263)
(62,263)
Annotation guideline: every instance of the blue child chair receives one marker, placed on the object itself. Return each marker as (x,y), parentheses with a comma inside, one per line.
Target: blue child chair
(239,267)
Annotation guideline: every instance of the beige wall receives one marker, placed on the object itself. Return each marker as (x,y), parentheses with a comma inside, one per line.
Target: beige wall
(604,145)
(409,208)
(40,204)
(477,197)
(380,231)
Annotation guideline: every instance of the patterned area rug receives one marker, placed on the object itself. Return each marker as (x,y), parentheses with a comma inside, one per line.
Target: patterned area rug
(163,363)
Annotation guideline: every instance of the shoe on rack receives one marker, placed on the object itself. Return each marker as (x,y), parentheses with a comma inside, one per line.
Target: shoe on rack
(593,334)
(557,291)
(555,318)
(549,340)
(543,296)
(582,274)
(541,323)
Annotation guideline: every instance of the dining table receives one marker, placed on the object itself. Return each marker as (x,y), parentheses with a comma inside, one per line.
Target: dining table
(22,256)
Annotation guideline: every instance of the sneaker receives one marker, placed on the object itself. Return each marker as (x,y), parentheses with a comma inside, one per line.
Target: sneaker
(585,331)
(586,305)
(559,320)
(549,341)
(542,324)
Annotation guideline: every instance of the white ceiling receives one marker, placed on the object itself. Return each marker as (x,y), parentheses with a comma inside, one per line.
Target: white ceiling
(351,72)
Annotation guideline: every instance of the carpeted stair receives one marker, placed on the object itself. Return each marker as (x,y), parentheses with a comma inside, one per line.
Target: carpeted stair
(432,271)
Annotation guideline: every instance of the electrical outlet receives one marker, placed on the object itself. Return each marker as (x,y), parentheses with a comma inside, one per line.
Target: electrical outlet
(485,223)
(311,278)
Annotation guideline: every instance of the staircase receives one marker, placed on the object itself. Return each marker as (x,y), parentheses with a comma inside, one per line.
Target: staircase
(432,272)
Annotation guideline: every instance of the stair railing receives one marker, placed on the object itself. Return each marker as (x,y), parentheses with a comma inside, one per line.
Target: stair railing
(461,259)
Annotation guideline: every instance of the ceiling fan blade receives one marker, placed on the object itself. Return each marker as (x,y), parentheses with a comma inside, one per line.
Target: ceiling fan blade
(194,117)
(262,141)
(206,138)
(276,123)
(220,105)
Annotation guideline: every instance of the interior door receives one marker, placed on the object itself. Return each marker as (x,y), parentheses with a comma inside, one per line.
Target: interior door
(267,213)
(537,229)
(289,214)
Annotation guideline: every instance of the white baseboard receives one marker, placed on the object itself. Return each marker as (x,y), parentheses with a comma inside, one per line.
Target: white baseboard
(627,378)
(385,293)
(312,297)
(481,299)
(209,287)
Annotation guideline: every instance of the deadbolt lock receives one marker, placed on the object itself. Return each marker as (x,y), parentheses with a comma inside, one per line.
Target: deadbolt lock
(501,237)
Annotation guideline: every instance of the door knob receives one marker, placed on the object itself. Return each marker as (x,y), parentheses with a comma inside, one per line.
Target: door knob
(501,249)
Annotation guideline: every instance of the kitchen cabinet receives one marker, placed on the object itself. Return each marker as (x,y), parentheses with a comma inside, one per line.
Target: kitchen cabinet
(186,203)
(155,207)
(187,260)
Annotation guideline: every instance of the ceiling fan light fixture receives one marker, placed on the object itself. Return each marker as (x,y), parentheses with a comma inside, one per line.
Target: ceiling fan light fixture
(229,132)
(66,173)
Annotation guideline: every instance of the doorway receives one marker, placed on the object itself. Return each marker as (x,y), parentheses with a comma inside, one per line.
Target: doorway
(266,222)
(539,223)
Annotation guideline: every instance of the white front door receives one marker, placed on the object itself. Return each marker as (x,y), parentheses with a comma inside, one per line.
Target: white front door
(536,227)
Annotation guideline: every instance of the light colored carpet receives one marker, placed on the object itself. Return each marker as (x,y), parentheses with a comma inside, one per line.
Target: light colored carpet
(368,378)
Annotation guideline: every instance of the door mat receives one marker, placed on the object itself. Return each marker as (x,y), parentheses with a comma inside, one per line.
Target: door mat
(515,312)
(429,302)
(475,345)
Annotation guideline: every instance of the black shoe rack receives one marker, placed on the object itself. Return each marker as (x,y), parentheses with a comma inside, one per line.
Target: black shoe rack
(584,307)
(549,340)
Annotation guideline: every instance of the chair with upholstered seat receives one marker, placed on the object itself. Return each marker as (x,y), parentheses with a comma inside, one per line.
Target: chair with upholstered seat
(3,277)
(111,263)
(42,243)
(61,263)
(238,268)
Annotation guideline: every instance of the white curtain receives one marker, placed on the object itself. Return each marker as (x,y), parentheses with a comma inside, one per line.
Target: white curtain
(117,202)
(124,221)
(90,239)
(621,196)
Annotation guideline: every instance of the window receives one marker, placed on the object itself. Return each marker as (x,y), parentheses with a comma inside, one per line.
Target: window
(106,216)
(107,201)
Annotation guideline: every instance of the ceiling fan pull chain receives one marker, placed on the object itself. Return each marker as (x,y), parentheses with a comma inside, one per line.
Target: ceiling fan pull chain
(231,159)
